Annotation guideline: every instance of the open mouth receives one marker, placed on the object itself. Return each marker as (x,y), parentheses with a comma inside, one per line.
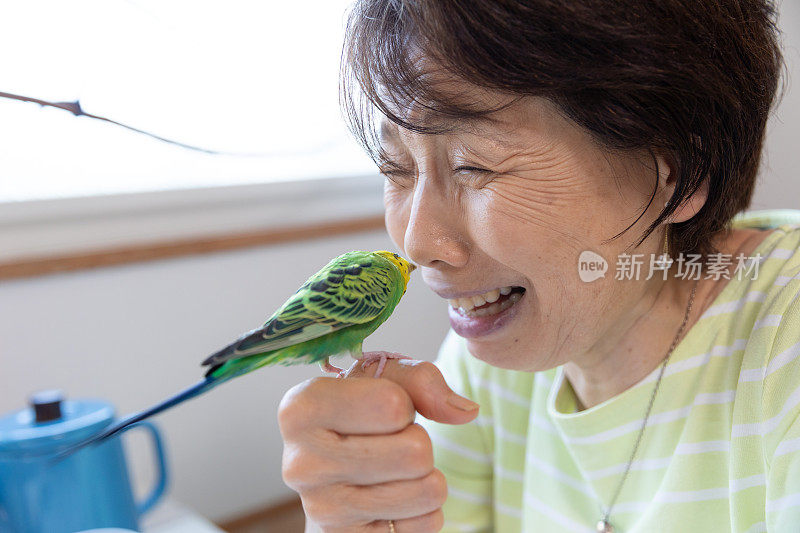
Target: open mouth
(488,303)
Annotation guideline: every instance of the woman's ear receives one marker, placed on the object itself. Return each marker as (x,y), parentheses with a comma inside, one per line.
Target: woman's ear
(668,176)
(692,205)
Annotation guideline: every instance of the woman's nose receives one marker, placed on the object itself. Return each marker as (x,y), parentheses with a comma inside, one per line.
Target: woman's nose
(434,236)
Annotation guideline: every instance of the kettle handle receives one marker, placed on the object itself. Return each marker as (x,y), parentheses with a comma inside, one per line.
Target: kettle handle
(161,464)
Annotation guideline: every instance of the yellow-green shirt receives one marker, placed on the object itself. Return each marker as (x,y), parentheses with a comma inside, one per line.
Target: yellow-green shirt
(721,451)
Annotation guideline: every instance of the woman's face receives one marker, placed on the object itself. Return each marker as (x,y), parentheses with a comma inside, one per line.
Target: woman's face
(511,205)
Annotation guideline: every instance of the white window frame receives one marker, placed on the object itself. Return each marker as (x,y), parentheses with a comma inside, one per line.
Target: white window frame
(65,226)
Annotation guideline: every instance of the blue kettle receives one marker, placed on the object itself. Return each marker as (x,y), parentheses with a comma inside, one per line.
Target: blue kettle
(89,489)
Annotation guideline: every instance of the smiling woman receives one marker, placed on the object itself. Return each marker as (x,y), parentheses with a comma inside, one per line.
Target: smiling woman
(516,138)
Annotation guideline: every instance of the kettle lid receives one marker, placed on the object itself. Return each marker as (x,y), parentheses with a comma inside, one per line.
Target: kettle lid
(50,422)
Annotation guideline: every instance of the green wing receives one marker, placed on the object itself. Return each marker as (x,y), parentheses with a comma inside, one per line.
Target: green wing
(354,288)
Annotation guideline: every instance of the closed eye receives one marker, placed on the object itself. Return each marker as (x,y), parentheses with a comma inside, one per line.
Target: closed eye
(393,172)
(471,169)
(397,174)
(387,167)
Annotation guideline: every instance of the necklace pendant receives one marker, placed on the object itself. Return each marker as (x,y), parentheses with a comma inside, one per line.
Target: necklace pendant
(604,527)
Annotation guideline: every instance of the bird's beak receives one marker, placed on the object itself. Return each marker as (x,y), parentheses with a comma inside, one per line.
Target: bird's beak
(411,267)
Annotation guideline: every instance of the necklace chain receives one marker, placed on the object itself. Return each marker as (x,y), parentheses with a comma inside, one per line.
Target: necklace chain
(604,525)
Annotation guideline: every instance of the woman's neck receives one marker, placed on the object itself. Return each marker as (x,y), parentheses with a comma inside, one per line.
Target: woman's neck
(626,356)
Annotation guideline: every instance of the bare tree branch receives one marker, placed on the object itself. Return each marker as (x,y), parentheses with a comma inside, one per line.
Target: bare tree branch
(75,109)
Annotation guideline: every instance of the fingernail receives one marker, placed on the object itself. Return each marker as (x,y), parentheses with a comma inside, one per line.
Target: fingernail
(459,402)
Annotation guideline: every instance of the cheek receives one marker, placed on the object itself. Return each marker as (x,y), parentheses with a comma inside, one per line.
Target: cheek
(397,205)
(539,201)
(521,226)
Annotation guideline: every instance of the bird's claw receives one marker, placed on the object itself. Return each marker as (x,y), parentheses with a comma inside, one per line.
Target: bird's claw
(328,367)
(366,359)
(370,357)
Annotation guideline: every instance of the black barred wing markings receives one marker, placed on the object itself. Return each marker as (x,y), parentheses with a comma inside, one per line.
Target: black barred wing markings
(330,301)
(357,295)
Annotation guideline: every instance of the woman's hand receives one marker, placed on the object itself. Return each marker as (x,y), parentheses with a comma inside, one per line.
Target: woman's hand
(354,454)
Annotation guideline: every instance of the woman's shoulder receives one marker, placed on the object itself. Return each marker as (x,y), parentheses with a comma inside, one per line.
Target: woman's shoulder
(768,382)
(766,218)
(773,339)
(764,281)
(764,306)
(780,250)
(769,378)
(775,278)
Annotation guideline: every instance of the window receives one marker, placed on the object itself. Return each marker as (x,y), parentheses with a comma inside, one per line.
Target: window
(237,76)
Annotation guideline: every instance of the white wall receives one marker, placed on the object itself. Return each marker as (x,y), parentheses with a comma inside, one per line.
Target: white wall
(135,334)
(779,182)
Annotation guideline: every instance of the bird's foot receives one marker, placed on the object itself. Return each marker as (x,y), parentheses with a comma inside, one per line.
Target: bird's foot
(370,357)
(328,367)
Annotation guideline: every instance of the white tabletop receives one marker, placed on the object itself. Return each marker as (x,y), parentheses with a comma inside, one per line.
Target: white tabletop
(172,517)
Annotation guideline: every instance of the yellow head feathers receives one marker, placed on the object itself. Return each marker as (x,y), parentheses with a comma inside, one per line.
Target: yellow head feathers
(402,265)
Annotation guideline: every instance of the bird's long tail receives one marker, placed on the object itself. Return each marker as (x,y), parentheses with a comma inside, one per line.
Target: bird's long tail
(195,390)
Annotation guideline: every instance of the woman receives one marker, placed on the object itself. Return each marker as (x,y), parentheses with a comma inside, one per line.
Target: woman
(529,147)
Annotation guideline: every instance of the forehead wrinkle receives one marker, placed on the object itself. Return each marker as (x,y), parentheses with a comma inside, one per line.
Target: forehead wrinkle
(524,153)
(484,127)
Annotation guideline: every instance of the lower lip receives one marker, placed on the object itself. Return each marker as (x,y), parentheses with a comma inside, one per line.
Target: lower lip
(479,326)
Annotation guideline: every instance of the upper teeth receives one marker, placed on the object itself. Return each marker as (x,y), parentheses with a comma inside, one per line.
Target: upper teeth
(487,297)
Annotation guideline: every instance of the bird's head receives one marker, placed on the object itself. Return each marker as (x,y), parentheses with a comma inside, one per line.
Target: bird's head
(405,267)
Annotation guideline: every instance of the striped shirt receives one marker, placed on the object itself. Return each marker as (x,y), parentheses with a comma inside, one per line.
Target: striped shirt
(721,451)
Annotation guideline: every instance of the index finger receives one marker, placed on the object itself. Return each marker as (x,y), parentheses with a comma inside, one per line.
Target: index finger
(425,385)
(346,406)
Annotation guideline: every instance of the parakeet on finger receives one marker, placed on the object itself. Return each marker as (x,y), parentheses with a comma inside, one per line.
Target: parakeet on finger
(330,314)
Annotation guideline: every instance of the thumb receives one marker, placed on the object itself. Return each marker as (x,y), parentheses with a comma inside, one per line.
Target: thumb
(426,387)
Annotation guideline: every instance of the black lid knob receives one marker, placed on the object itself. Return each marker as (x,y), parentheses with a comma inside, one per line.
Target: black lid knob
(47,405)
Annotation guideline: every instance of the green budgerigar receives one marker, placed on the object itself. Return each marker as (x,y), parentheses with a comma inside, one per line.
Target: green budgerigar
(331,314)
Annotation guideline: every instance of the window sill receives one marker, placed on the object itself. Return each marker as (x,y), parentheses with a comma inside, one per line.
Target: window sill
(44,236)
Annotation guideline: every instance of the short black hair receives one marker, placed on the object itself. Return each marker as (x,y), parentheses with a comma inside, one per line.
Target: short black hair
(693,79)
